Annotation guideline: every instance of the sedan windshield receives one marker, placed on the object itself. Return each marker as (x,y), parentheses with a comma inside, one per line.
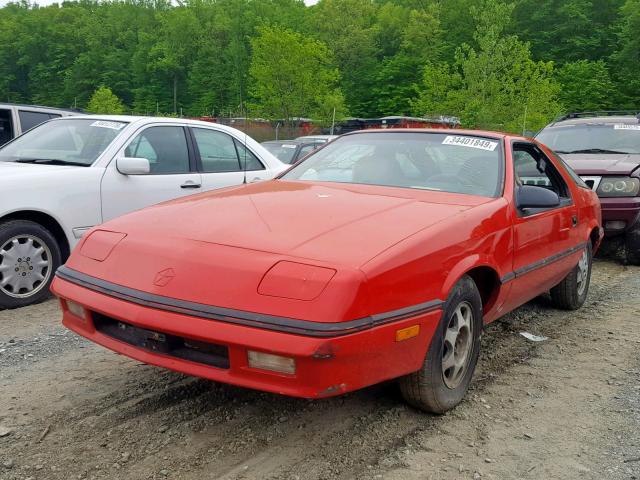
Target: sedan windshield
(428,161)
(63,142)
(593,138)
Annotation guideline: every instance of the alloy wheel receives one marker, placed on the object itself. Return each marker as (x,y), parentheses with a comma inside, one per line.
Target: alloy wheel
(458,344)
(582,273)
(25,266)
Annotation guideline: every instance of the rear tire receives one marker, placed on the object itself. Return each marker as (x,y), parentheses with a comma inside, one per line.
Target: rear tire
(456,345)
(571,293)
(29,257)
(632,246)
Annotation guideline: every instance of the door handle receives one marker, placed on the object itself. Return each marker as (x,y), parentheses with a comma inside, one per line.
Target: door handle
(190,184)
(574,220)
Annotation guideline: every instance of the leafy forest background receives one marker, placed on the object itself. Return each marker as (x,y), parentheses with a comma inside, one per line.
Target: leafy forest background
(508,66)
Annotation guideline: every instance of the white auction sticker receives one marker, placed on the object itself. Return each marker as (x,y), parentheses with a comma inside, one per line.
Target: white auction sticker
(622,126)
(471,142)
(106,124)
(288,146)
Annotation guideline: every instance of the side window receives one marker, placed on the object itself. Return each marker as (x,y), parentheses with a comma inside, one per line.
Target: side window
(532,167)
(165,147)
(217,151)
(141,148)
(28,120)
(247,158)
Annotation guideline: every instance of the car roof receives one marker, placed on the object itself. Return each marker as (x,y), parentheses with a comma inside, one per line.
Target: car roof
(594,117)
(41,107)
(277,142)
(449,131)
(591,120)
(143,119)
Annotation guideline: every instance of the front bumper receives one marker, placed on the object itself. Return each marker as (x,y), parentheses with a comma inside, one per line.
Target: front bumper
(325,366)
(619,214)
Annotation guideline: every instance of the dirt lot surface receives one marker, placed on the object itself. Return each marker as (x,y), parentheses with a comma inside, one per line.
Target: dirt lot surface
(564,408)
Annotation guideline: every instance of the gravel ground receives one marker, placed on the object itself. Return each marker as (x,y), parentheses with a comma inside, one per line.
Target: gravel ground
(565,408)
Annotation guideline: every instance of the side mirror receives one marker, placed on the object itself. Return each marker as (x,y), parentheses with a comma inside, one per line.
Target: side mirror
(133,166)
(532,196)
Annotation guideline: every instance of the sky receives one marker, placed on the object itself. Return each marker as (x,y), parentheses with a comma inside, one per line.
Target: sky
(44,3)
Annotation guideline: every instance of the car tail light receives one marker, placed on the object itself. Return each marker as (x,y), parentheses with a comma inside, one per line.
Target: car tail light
(274,363)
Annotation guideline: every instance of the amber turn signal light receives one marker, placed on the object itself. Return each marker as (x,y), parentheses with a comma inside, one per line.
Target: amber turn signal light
(407,333)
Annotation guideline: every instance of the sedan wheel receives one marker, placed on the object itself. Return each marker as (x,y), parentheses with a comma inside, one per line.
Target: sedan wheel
(582,274)
(29,256)
(457,345)
(572,291)
(25,267)
(449,364)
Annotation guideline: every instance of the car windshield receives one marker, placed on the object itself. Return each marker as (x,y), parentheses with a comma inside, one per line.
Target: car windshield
(592,138)
(63,142)
(282,150)
(428,161)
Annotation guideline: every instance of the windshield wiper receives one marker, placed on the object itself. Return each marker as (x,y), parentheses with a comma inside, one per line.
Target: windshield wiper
(51,161)
(594,150)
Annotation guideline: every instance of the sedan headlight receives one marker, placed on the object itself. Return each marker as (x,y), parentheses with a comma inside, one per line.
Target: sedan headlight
(618,187)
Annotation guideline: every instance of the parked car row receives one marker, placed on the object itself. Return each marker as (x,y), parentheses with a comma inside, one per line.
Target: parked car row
(379,256)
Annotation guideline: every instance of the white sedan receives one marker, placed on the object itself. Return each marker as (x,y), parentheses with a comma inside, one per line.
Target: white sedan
(65,176)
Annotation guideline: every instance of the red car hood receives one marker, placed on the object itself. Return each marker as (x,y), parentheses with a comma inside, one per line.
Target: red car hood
(601,164)
(347,224)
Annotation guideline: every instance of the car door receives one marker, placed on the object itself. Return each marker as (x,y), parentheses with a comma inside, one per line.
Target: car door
(545,237)
(172,171)
(223,161)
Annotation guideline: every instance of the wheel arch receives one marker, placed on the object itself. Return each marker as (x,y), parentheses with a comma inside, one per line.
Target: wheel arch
(483,273)
(48,222)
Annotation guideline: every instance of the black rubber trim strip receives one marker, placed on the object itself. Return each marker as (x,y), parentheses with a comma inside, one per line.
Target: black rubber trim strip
(541,263)
(239,317)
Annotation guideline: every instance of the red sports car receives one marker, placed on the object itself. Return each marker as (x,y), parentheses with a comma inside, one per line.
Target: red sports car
(380,256)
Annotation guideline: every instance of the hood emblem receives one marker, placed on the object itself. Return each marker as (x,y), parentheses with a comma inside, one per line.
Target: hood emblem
(163,277)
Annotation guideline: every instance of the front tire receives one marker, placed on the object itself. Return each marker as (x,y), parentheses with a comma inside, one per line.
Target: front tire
(571,293)
(29,257)
(446,373)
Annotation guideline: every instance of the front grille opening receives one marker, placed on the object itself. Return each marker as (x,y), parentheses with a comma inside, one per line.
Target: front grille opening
(164,343)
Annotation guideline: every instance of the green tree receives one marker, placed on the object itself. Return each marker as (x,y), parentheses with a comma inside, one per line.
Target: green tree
(586,86)
(418,43)
(567,30)
(496,85)
(104,101)
(293,76)
(349,27)
(627,58)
